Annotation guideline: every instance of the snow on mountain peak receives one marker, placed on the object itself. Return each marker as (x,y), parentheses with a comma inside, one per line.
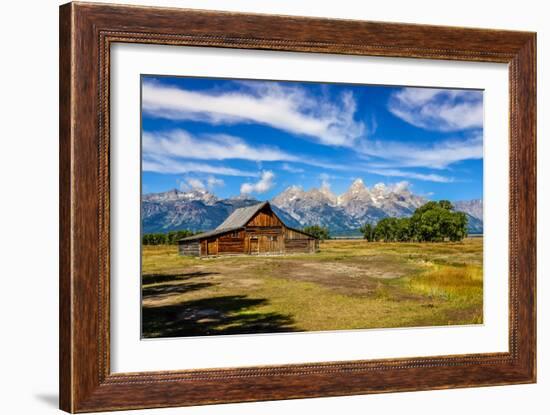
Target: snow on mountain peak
(174,195)
(200,209)
(357,184)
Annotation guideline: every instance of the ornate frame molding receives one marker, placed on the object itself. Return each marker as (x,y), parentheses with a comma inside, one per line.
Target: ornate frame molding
(86,33)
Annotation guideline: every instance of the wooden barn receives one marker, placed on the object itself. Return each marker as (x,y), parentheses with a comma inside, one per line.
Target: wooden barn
(252,230)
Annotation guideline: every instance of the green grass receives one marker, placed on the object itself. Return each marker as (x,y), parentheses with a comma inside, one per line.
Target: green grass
(347,285)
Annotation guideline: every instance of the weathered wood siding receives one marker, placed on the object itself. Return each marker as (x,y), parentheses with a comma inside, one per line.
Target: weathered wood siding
(292,234)
(299,242)
(260,243)
(264,234)
(189,248)
(265,218)
(300,245)
(212,246)
(231,243)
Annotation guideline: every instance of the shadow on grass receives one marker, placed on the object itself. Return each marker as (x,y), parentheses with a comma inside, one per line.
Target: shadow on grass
(213,316)
(164,290)
(158,278)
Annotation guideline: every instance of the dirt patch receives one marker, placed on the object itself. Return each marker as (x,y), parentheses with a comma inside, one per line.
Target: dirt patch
(342,278)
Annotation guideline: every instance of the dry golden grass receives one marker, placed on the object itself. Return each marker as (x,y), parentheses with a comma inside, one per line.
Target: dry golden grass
(348,285)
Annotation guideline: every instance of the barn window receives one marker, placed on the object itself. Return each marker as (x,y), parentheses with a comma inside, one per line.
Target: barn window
(235,234)
(273,238)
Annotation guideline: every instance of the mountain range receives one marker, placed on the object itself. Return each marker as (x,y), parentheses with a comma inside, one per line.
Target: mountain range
(343,214)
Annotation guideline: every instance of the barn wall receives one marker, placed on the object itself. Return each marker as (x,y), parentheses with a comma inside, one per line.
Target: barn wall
(292,234)
(264,234)
(300,245)
(258,241)
(231,243)
(189,248)
(212,246)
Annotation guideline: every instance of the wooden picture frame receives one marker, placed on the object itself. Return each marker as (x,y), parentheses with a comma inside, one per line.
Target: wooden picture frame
(86,33)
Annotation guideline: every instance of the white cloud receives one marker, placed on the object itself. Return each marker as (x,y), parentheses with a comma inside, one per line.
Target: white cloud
(212,182)
(325,180)
(438,109)
(412,175)
(401,186)
(168,165)
(179,143)
(263,185)
(290,109)
(291,169)
(437,156)
(195,183)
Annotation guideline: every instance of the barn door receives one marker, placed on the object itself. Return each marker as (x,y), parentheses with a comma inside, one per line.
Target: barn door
(264,244)
(212,247)
(253,245)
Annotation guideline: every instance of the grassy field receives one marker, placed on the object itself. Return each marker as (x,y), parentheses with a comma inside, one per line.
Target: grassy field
(350,284)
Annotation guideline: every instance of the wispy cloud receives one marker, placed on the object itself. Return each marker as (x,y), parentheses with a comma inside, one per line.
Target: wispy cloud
(179,143)
(438,109)
(291,169)
(412,175)
(174,144)
(438,155)
(195,183)
(168,165)
(261,186)
(212,182)
(291,109)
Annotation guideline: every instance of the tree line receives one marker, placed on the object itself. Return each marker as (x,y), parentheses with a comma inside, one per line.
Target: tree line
(431,222)
(169,238)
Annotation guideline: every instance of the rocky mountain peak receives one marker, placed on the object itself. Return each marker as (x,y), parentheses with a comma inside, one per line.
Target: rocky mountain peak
(473,207)
(199,209)
(358,186)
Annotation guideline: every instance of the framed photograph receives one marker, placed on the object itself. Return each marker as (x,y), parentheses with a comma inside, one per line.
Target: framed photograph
(260,207)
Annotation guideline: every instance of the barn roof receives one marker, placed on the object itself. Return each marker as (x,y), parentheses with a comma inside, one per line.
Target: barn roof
(238,219)
(213,232)
(241,216)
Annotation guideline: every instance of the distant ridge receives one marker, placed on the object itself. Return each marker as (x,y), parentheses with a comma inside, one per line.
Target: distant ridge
(343,214)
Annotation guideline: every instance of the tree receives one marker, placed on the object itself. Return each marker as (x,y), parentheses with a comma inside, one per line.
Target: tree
(436,221)
(403,230)
(174,236)
(320,232)
(445,204)
(431,222)
(386,230)
(368,232)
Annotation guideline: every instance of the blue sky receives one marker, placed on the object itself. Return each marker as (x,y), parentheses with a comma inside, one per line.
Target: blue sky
(259,137)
